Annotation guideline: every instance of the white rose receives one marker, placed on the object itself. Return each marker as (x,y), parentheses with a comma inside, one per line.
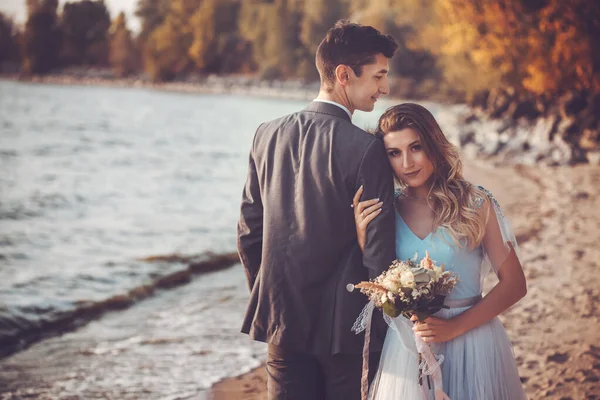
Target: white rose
(407,278)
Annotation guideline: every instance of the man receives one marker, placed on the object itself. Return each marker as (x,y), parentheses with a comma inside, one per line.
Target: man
(296,235)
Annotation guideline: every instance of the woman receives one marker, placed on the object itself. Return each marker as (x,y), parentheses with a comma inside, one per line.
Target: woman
(461,226)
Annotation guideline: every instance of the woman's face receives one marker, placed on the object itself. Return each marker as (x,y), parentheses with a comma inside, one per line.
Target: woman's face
(407,158)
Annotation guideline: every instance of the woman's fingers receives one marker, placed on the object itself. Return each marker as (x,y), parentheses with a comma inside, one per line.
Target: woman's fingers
(421,326)
(362,207)
(368,210)
(357,195)
(370,217)
(425,334)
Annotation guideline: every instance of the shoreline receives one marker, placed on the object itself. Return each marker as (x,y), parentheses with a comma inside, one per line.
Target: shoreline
(240,86)
(248,386)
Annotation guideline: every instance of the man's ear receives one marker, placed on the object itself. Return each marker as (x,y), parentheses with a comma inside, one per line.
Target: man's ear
(343,74)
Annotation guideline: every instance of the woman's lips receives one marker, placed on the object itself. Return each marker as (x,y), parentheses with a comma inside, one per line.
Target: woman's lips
(412,174)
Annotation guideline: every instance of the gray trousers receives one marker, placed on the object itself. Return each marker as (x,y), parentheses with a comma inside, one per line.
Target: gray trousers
(294,375)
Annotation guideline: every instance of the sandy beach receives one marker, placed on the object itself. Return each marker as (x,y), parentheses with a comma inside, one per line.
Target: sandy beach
(554,329)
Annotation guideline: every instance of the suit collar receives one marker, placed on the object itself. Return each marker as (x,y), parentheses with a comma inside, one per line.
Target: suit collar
(329,109)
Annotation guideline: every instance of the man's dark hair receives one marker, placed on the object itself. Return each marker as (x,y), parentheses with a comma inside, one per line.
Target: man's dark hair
(353,45)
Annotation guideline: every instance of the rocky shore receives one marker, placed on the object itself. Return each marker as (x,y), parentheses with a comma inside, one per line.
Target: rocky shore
(529,130)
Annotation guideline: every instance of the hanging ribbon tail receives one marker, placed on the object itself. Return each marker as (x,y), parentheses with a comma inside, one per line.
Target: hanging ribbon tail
(431,366)
(363,323)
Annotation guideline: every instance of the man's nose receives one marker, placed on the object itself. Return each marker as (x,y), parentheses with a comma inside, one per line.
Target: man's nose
(385,87)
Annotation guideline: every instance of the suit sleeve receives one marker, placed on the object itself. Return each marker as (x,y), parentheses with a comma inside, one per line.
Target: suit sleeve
(250,225)
(375,174)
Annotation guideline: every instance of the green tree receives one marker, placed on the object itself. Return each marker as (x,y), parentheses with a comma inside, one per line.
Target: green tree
(85,26)
(9,50)
(205,28)
(217,45)
(273,30)
(319,16)
(123,54)
(151,13)
(41,39)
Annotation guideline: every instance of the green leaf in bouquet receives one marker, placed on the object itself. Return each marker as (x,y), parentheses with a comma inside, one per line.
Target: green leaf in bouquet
(390,309)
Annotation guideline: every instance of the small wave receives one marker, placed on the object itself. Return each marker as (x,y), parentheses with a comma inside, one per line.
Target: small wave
(34,206)
(20,328)
(8,153)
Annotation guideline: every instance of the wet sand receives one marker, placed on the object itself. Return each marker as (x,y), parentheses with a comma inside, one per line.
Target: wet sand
(555,329)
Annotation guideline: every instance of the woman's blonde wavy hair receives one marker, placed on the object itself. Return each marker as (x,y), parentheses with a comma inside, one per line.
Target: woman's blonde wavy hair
(451,197)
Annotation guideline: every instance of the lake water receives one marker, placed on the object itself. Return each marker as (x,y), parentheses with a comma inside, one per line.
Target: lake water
(92,179)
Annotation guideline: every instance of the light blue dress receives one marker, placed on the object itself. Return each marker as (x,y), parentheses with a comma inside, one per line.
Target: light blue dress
(478,365)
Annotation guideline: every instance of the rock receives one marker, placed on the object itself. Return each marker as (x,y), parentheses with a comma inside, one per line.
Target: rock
(465,137)
(593,157)
(469,119)
(561,153)
(566,127)
(523,109)
(499,101)
(590,139)
(480,99)
(542,104)
(559,358)
(542,131)
(572,103)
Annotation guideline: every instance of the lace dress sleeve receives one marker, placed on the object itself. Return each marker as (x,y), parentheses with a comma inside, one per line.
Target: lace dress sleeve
(499,239)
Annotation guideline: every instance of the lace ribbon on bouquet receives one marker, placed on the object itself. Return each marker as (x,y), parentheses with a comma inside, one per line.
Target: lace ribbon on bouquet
(363,323)
(429,364)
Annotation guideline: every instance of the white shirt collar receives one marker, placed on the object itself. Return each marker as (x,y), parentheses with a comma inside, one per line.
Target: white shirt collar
(335,104)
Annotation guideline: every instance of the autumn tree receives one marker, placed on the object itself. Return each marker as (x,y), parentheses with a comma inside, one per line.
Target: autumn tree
(563,51)
(166,51)
(123,54)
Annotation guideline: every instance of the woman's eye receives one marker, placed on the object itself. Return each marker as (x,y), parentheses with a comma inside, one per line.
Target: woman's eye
(416,148)
(393,153)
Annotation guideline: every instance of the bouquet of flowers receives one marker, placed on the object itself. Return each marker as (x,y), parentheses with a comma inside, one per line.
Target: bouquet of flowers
(409,288)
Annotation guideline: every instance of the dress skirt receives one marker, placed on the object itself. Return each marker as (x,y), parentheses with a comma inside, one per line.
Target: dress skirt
(478,365)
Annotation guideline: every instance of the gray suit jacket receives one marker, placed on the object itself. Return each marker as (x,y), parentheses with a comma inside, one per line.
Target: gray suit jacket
(296,234)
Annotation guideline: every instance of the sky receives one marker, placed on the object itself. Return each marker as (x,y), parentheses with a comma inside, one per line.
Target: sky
(17,10)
